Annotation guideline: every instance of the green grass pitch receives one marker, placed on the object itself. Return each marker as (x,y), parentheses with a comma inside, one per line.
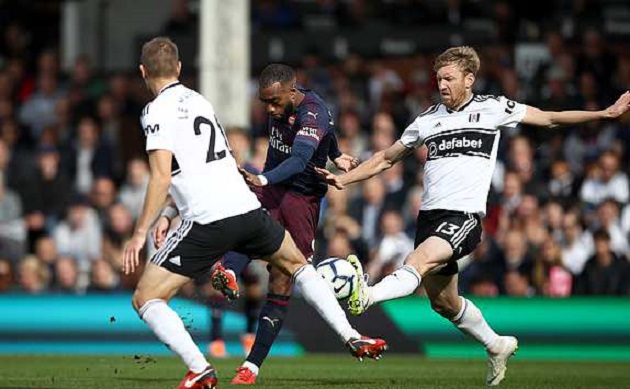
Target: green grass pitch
(313,371)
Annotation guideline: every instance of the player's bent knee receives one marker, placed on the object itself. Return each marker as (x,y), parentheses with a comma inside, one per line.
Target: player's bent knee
(445,307)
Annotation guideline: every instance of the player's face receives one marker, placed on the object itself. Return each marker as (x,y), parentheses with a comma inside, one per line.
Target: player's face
(454,85)
(277,99)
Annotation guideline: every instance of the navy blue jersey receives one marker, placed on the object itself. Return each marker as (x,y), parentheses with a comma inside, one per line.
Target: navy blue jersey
(312,122)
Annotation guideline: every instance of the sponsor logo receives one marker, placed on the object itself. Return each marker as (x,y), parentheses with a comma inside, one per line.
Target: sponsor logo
(270,320)
(151,129)
(470,143)
(308,132)
(314,115)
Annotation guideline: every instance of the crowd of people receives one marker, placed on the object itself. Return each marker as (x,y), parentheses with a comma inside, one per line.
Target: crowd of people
(74,171)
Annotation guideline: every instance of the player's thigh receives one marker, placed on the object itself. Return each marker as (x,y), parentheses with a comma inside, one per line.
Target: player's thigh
(432,253)
(300,215)
(279,282)
(288,258)
(443,294)
(157,283)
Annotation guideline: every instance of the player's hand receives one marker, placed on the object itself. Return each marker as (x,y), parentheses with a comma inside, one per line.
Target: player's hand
(159,232)
(250,178)
(621,106)
(131,253)
(346,162)
(330,178)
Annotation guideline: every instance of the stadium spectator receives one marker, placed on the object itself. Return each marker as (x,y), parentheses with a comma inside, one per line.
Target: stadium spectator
(79,236)
(67,276)
(550,278)
(132,191)
(39,111)
(46,252)
(33,275)
(604,273)
(89,157)
(12,228)
(577,244)
(6,275)
(102,196)
(608,219)
(103,278)
(606,182)
(393,247)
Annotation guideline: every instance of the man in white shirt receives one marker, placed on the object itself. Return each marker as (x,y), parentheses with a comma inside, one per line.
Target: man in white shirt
(462,136)
(189,158)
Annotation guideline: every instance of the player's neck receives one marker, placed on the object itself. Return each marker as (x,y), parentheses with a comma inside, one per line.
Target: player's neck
(299,97)
(157,85)
(462,101)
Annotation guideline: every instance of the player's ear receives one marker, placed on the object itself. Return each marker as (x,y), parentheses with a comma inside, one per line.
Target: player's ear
(469,80)
(143,71)
(179,67)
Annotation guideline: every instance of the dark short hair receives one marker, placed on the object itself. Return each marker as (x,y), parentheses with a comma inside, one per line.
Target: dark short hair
(160,57)
(601,234)
(276,72)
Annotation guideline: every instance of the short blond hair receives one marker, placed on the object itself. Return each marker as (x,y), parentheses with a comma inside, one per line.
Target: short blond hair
(160,57)
(465,57)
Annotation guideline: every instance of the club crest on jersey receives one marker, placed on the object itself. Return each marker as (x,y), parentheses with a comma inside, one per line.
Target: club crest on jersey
(474,117)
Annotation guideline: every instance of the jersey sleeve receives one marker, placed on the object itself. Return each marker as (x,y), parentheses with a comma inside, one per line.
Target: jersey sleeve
(412,137)
(158,127)
(314,124)
(509,113)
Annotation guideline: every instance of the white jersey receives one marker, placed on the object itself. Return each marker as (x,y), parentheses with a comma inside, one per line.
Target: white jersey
(205,183)
(462,150)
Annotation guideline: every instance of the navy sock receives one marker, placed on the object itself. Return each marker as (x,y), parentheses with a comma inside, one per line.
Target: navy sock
(269,326)
(251,307)
(236,262)
(216,318)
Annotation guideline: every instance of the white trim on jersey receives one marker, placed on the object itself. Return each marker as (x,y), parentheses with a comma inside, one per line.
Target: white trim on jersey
(172,241)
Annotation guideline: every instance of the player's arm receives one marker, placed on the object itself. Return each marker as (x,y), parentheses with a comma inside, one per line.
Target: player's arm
(378,163)
(342,161)
(551,119)
(301,152)
(154,200)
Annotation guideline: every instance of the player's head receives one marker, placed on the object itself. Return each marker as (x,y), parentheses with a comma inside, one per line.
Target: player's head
(456,70)
(277,89)
(159,61)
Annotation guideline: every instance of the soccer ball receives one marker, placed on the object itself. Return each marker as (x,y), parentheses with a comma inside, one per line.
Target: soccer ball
(340,276)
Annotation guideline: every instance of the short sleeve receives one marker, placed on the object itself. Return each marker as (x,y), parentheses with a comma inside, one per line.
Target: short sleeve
(158,128)
(314,123)
(412,136)
(509,112)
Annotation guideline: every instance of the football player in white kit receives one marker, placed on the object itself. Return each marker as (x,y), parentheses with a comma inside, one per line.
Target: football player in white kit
(462,135)
(190,158)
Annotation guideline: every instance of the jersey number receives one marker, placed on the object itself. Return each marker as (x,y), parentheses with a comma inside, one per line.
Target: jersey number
(211,156)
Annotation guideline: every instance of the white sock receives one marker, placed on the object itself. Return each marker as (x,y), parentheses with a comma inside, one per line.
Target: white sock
(470,321)
(170,329)
(400,283)
(318,295)
(251,366)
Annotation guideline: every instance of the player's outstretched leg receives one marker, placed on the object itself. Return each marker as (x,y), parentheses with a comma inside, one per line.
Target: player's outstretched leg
(445,300)
(317,294)
(156,286)
(428,256)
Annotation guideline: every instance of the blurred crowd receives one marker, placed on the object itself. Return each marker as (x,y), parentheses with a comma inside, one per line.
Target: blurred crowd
(74,170)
